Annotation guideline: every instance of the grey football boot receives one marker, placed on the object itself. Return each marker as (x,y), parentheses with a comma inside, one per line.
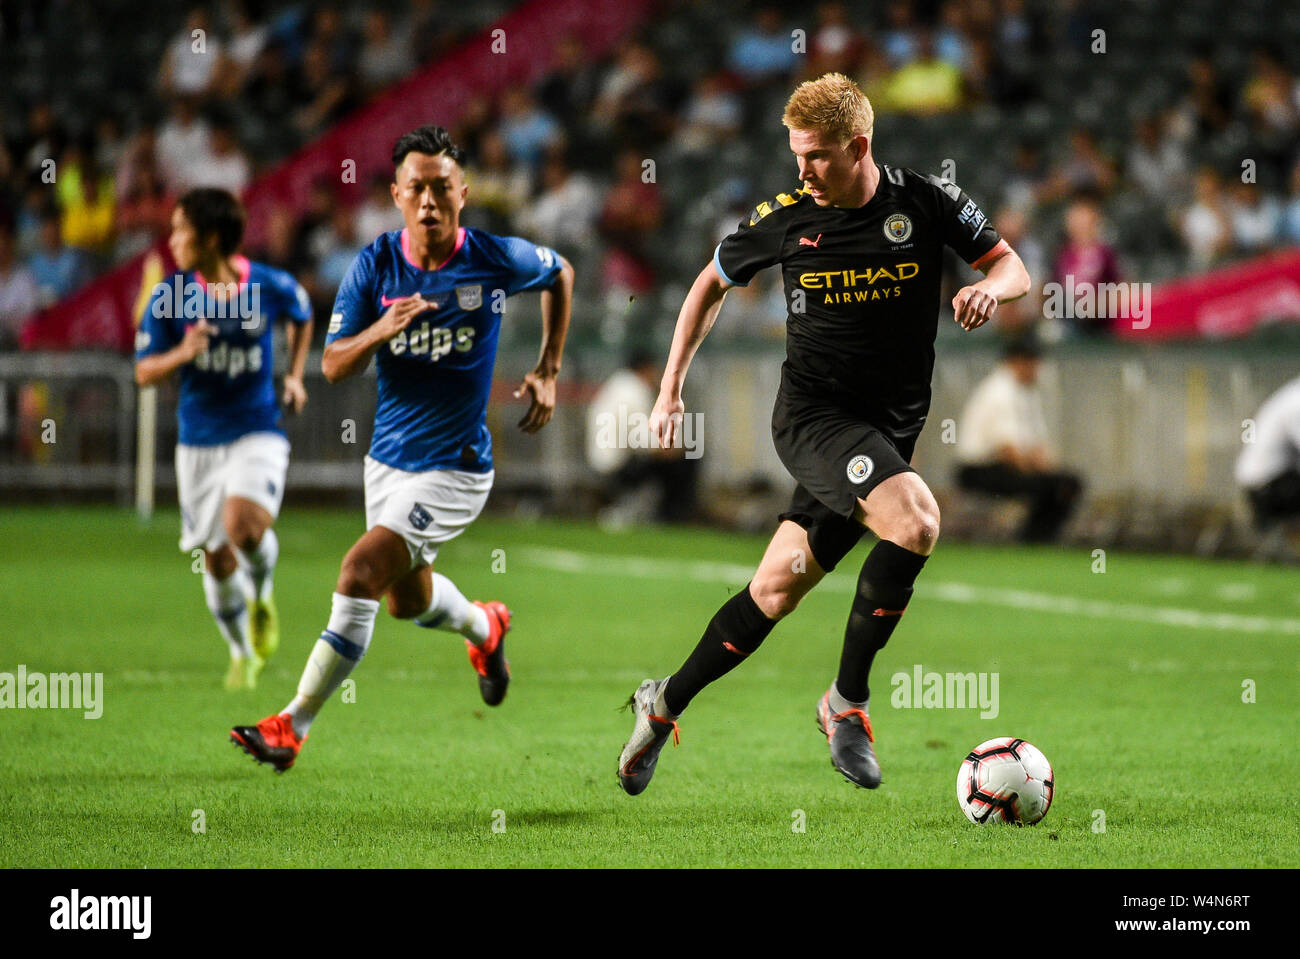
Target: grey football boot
(850,738)
(637,762)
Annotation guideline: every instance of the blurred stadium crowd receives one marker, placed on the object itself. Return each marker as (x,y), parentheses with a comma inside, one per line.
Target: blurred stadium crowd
(1109,156)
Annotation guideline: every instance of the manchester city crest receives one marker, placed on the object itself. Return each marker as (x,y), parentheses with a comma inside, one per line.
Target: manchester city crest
(898,228)
(860,468)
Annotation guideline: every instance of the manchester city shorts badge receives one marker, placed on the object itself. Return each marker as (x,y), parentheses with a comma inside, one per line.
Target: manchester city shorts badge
(860,468)
(898,228)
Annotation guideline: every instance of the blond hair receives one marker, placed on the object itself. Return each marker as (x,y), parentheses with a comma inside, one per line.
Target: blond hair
(832,105)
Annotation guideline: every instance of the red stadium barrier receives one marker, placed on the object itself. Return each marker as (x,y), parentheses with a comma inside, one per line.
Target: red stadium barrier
(99,316)
(1232,301)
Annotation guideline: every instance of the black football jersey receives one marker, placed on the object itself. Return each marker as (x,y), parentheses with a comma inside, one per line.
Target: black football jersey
(862,288)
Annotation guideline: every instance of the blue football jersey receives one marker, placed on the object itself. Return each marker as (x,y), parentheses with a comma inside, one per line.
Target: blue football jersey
(228,391)
(434,376)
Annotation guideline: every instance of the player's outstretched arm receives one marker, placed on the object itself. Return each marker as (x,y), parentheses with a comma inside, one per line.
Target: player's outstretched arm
(299,340)
(350,355)
(1005,279)
(699,311)
(152,370)
(557,305)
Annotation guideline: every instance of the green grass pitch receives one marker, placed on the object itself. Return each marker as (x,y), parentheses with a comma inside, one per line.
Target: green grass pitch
(1131,681)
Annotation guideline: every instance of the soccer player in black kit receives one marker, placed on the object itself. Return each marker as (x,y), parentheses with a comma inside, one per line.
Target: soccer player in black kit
(860,247)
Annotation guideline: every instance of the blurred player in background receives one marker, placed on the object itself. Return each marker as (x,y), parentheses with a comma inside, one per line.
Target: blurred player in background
(426,301)
(620,451)
(1003,447)
(212,321)
(861,248)
(1268,468)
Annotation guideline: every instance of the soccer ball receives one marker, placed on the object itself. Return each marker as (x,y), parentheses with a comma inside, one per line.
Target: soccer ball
(1005,780)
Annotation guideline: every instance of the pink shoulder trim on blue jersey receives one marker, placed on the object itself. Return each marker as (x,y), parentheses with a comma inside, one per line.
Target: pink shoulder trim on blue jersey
(242,267)
(406,249)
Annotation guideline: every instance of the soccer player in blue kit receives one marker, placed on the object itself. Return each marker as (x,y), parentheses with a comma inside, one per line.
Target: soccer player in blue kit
(212,322)
(425,301)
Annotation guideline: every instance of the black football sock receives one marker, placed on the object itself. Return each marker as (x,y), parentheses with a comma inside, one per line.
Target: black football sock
(884,589)
(736,630)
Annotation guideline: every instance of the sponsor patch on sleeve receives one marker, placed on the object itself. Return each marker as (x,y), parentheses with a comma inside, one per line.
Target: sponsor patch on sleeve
(973,217)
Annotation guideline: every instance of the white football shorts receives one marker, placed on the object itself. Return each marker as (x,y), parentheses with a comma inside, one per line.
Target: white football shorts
(252,467)
(425,509)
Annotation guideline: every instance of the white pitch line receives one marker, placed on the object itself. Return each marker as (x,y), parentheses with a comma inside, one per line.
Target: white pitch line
(645,567)
(1235,592)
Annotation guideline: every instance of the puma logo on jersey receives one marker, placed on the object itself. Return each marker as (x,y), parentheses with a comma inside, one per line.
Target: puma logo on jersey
(804,241)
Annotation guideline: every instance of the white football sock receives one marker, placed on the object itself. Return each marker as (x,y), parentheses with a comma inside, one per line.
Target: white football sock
(839,704)
(229,607)
(336,653)
(450,610)
(261,563)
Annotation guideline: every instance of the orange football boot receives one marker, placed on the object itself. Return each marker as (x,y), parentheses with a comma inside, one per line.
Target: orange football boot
(489,660)
(271,741)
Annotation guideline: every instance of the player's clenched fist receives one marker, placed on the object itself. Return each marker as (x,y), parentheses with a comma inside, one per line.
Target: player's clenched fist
(398,316)
(196,338)
(972,307)
(295,394)
(542,387)
(666,419)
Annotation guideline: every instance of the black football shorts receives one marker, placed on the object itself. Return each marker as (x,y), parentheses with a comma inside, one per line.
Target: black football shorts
(836,459)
